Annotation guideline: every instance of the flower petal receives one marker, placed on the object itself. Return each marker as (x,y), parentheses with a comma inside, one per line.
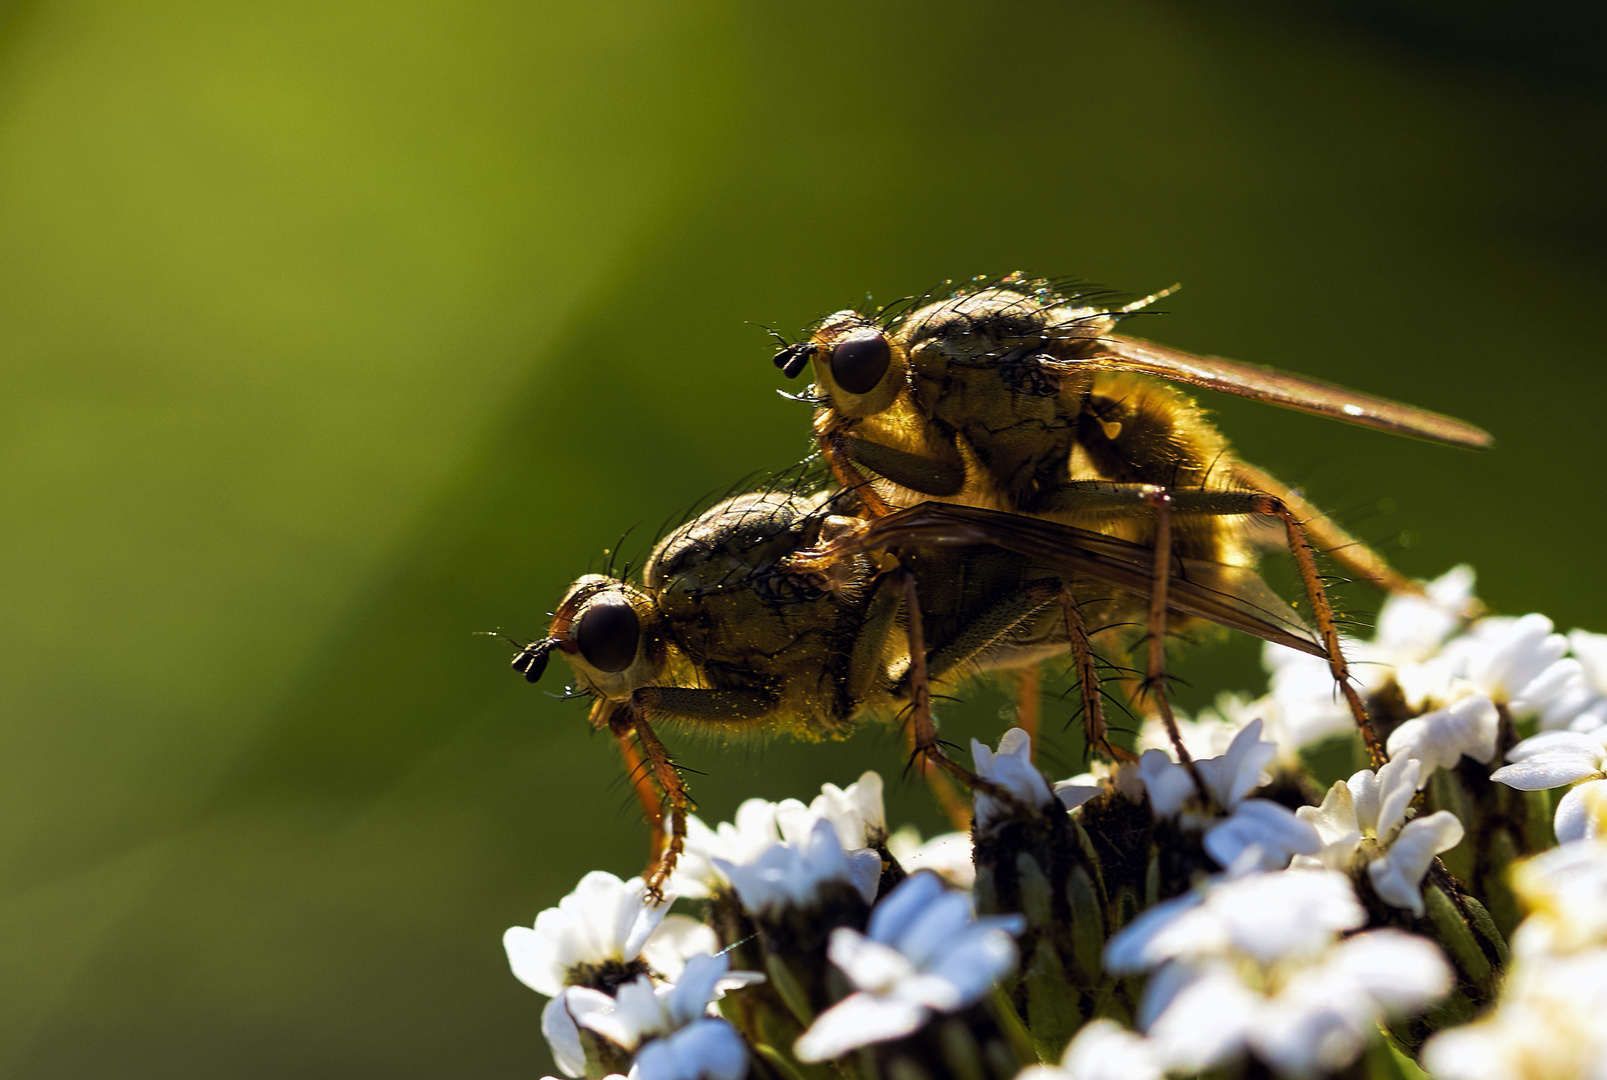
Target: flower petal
(1582,813)
(1266,825)
(1167,782)
(706,1050)
(563,1037)
(858,1020)
(1397,876)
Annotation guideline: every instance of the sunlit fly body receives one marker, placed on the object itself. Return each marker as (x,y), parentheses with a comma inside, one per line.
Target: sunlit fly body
(1016,397)
(772,613)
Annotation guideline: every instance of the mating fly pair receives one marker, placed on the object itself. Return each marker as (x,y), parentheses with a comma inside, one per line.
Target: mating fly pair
(1014,396)
(1011,475)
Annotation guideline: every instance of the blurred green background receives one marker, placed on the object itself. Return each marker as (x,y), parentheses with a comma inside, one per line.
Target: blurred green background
(335,332)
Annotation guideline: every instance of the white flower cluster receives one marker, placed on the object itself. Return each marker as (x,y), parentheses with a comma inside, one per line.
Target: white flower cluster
(1548,1024)
(1363,824)
(1256,963)
(923,952)
(779,853)
(1453,673)
(608,931)
(1286,952)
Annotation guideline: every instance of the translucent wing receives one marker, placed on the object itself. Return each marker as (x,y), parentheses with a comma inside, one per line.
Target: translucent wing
(1226,595)
(1121,353)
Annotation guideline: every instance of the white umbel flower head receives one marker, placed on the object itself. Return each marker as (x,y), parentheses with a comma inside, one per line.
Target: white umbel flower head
(1011,768)
(1511,661)
(1232,824)
(855,813)
(743,839)
(1363,822)
(668,1027)
(1554,759)
(640,1010)
(1439,739)
(1256,964)
(605,923)
(794,874)
(1547,1025)
(923,952)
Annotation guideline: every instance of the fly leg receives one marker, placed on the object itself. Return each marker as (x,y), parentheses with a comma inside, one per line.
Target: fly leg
(658,785)
(1112,499)
(1321,530)
(1322,609)
(653,774)
(917,682)
(1028,696)
(1088,681)
(1116,499)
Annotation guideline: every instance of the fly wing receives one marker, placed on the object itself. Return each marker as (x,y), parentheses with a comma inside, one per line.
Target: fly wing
(1119,353)
(1229,596)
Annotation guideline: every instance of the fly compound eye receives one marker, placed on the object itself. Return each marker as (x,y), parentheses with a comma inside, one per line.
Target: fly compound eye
(607,633)
(858,364)
(794,358)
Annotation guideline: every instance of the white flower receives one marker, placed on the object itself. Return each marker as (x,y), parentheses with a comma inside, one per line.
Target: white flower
(605,921)
(1228,778)
(1267,916)
(669,1024)
(923,952)
(703,1050)
(639,1009)
(1554,758)
(1256,964)
(1213,728)
(1258,823)
(1547,1025)
(1363,822)
(743,839)
(1412,628)
(855,812)
(1511,661)
(1309,706)
(950,855)
(1566,891)
(1208,734)
(558,1025)
(1011,768)
(1410,631)
(1581,703)
(1270,829)
(1102,1050)
(1440,738)
(1301,1021)
(793,874)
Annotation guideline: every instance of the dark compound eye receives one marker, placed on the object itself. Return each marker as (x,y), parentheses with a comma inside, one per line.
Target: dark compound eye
(794,358)
(607,633)
(532,661)
(859,363)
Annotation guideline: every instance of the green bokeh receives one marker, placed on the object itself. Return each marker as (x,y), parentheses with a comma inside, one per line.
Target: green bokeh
(336,332)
